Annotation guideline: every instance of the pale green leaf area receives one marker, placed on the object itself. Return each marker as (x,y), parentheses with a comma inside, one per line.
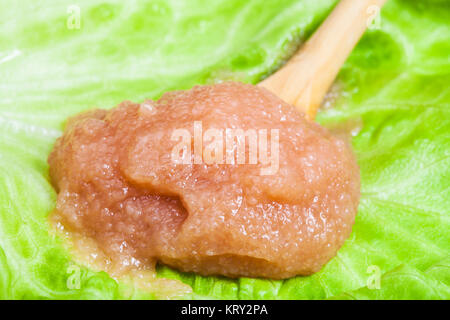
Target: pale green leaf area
(396,84)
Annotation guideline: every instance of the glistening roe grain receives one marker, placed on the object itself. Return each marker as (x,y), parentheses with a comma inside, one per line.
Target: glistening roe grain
(118,184)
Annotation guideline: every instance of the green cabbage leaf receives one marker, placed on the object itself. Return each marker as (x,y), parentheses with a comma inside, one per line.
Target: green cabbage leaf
(394,86)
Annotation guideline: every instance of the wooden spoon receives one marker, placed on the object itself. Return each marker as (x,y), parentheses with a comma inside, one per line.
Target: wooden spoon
(307,77)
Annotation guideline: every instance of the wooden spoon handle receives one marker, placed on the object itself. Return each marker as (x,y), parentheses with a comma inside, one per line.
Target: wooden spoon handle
(306,78)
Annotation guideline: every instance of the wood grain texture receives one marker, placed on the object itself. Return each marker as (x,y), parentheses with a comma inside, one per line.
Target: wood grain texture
(308,75)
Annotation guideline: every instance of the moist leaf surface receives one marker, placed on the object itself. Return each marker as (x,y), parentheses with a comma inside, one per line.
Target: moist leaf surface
(394,85)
